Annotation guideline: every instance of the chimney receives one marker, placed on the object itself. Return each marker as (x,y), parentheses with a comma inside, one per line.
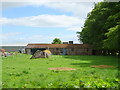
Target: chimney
(70,42)
(65,42)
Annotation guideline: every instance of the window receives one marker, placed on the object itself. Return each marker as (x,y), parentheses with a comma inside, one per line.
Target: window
(57,48)
(87,49)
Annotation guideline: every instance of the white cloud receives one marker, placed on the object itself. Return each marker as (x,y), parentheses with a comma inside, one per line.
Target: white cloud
(5,38)
(49,39)
(77,7)
(34,39)
(6,4)
(44,21)
(8,35)
(77,28)
(45,1)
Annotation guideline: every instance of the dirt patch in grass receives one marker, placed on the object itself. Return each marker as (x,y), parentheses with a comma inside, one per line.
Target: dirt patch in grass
(102,66)
(62,69)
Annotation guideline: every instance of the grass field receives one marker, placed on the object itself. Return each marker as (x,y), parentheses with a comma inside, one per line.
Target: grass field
(21,72)
(0,72)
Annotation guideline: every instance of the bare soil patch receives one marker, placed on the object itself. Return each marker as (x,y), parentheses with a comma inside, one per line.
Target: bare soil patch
(102,66)
(62,69)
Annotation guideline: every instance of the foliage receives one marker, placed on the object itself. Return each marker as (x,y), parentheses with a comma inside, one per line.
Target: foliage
(113,39)
(57,41)
(21,72)
(102,25)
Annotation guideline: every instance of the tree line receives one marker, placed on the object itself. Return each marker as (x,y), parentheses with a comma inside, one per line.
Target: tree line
(102,28)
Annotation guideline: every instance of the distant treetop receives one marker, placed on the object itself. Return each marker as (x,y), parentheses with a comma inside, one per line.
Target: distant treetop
(57,41)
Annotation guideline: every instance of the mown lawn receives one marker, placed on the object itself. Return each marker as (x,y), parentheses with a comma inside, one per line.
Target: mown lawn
(0,72)
(19,71)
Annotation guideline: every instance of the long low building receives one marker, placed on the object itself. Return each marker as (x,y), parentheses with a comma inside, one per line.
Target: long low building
(12,48)
(60,49)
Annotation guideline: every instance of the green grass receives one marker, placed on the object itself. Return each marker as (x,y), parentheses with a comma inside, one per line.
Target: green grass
(21,72)
(0,72)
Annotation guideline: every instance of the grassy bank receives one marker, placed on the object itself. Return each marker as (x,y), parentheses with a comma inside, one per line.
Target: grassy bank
(21,72)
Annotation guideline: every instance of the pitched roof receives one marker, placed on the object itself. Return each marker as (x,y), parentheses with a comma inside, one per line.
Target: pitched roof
(58,46)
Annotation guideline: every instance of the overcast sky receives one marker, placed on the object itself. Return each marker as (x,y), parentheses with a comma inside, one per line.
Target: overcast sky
(40,21)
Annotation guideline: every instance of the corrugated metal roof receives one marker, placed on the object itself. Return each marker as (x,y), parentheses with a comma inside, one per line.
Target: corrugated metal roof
(58,46)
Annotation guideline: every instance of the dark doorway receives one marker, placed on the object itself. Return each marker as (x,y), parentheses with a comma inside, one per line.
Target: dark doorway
(64,51)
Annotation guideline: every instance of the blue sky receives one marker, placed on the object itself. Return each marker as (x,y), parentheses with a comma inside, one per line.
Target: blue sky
(32,11)
(41,22)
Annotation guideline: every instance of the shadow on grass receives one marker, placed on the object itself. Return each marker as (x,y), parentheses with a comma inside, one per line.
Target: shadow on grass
(86,61)
(82,64)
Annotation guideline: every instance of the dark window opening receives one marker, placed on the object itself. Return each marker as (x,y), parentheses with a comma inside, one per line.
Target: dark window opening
(57,48)
(87,49)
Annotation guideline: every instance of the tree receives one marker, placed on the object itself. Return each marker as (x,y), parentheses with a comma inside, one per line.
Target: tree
(57,41)
(113,38)
(101,28)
